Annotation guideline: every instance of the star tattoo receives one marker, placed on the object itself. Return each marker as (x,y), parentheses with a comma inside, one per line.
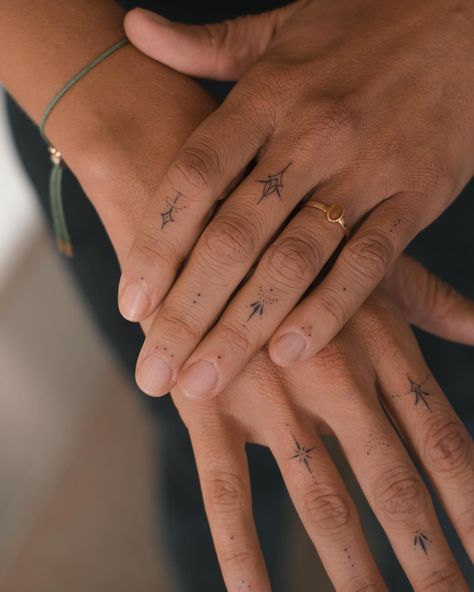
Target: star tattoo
(303,455)
(168,215)
(272,184)
(420,395)
(421,540)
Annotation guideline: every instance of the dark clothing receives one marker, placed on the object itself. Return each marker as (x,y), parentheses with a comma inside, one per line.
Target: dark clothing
(95,270)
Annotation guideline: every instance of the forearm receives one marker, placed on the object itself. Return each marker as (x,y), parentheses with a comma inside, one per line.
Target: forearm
(118,126)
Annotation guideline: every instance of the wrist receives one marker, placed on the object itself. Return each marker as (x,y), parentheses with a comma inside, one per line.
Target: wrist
(119,127)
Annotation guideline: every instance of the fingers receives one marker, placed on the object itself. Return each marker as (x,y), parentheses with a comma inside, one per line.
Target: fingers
(223,473)
(201,173)
(283,274)
(433,430)
(430,303)
(324,506)
(397,495)
(359,268)
(222,51)
(220,260)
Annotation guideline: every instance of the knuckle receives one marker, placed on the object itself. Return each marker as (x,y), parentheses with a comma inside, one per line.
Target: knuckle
(329,513)
(178,326)
(369,255)
(234,338)
(149,248)
(229,241)
(331,306)
(448,448)
(196,169)
(401,495)
(225,493)
(236,556)
(293,260)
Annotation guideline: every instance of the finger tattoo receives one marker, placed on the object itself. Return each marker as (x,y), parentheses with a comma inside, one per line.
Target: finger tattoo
(272,184)
(168,215)
(303,455)
(421,541)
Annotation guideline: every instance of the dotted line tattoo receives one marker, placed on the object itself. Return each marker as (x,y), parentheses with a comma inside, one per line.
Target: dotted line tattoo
(272,184)
(374,442)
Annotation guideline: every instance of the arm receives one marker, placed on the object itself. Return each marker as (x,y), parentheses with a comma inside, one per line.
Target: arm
(114,116)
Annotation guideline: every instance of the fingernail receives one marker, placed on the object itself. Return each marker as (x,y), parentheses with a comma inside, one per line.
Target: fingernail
(134,302)
(154,375)
(288,348)
(197,380)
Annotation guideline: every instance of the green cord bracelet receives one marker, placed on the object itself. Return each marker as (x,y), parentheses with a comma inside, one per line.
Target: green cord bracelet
(61,232)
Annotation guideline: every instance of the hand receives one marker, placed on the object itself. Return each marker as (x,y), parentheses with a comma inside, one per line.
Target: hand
(374,357)
(368,104)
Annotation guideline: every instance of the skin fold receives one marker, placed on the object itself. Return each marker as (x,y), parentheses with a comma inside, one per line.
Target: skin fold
(367,103)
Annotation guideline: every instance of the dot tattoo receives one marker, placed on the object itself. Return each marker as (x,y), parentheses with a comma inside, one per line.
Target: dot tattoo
(420,540)
(264,297)
(348,555)
(303,455)
(168,215)
(244,586)
(272,184)
(375,442)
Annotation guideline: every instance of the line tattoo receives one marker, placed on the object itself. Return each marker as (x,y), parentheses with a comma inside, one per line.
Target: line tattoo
(264,297)
(420,395)
(168,215)
(303,455)
(421,540)
(272,184)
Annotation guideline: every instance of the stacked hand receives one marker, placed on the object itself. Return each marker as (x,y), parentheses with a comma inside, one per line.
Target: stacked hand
(373,363)
(362,103)
(374,359)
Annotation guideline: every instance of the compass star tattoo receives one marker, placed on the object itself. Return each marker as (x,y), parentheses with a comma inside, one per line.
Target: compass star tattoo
(421,540)
(272,184)
(303,455)
(168,215)
(420,395)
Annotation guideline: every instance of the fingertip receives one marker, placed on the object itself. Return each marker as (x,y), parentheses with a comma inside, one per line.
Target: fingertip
(143,28)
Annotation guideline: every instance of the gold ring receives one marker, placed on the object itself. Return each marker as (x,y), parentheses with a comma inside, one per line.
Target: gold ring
(334,213)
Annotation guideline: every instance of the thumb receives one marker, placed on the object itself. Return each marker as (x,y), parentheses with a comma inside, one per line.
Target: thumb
(430,303)
(222,51)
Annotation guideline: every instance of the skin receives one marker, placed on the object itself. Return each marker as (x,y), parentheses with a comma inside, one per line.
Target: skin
(336,99)
(95,137)
(341,389)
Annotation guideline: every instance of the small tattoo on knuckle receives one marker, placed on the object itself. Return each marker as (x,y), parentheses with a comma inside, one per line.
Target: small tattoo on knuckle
(272,184)
(421,541)
(168,215)
(347,552)
(303,455)
(420,396)
(375,442)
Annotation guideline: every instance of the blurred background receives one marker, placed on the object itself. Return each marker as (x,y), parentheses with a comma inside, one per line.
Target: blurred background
(76,457)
